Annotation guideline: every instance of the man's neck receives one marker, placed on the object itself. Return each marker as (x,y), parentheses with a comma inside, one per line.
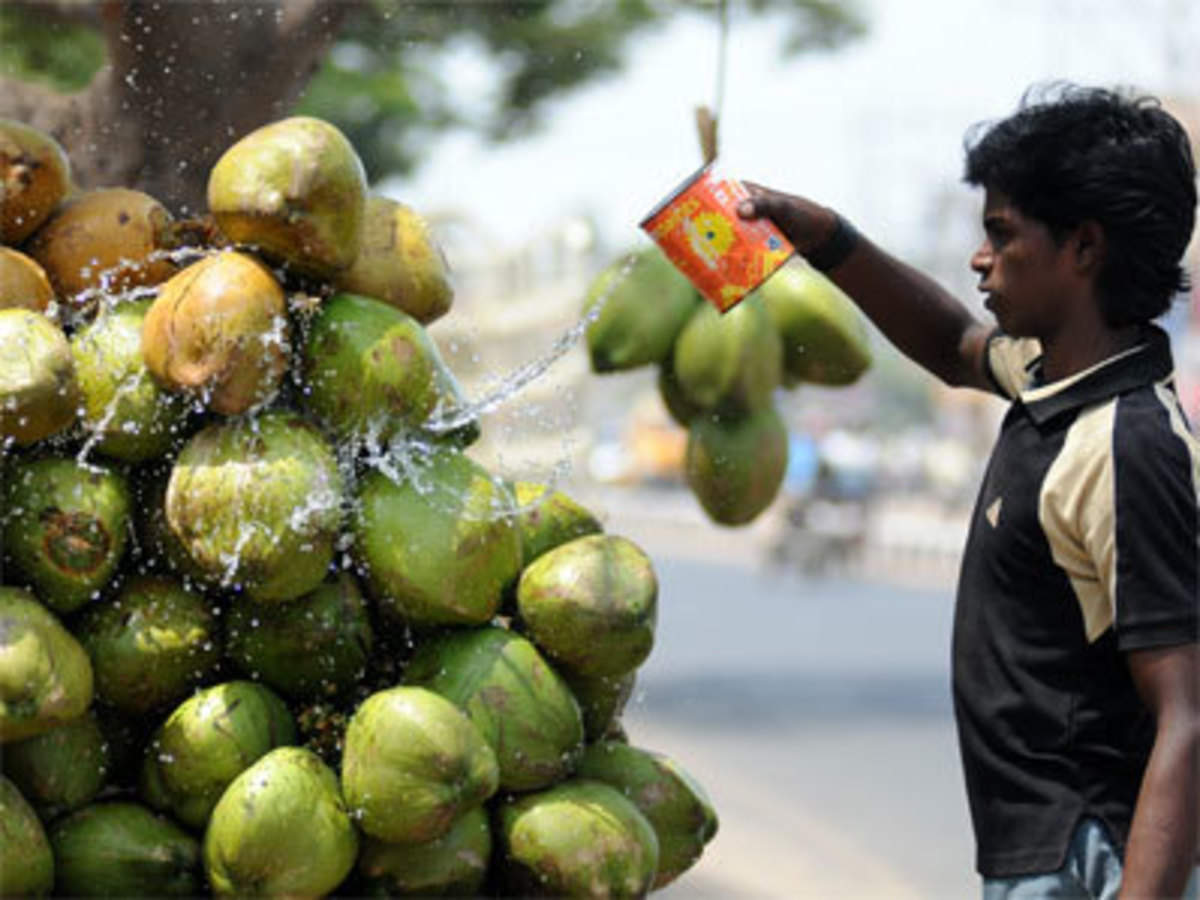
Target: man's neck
(1066,354)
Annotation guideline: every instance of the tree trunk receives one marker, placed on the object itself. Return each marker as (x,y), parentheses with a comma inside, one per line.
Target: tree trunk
(182,82)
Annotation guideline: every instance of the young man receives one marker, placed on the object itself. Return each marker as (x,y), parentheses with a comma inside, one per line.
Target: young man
(1076,667)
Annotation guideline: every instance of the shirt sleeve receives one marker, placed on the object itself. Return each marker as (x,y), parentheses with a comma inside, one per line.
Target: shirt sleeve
(1007,362)
(1156,468)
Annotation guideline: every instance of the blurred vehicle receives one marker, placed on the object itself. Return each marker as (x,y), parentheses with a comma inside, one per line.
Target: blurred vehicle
(828,490)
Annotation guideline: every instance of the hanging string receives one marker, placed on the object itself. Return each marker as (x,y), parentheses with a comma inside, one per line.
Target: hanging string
(722,52)
(707,118)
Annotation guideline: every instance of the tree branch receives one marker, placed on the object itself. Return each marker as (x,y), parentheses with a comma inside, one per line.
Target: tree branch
(184,79)
(63,12)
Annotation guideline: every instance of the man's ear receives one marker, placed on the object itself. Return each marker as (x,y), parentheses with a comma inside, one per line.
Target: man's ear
(1089,243)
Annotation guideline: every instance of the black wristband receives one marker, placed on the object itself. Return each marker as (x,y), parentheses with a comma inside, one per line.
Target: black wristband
(835,248)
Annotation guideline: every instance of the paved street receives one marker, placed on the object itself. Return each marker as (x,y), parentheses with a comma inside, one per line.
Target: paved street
(815,712)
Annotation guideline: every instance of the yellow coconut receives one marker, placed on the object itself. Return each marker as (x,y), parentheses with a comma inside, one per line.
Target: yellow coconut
(23,283)
(108,239)
(35,175)
(217,330)
(399,262)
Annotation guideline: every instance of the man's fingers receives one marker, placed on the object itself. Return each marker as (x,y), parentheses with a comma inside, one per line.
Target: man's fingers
(758,204)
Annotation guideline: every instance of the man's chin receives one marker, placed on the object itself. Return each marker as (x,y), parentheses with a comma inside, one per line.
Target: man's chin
(1006,324)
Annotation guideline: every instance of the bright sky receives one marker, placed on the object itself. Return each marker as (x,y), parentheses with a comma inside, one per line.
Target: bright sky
(872,129)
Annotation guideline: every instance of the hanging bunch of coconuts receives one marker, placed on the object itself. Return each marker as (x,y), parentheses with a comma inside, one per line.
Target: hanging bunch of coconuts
(719,373)
(265,626)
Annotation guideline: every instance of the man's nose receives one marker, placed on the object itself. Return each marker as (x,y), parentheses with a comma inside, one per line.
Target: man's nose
(982,259)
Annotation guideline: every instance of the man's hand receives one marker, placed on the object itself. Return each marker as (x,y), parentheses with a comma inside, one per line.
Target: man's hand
(1165,834)
(806,224)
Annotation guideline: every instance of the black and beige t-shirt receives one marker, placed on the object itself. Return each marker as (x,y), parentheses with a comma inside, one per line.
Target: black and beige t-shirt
(1084,544)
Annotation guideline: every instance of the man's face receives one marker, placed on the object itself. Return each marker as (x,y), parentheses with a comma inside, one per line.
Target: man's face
(1023,270)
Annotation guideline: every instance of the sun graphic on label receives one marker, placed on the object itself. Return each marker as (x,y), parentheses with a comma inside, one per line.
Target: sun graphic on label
(710,235)
(774,255)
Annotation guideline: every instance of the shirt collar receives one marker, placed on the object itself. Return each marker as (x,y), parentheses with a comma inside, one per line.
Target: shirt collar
(1148,362)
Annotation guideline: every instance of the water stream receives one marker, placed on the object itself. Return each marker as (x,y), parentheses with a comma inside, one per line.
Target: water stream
(521,377)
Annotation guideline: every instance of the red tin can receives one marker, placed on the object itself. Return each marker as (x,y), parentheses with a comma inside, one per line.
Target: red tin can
(723,255)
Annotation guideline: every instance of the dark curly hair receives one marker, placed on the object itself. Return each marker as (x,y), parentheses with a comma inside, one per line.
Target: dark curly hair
(1071,154)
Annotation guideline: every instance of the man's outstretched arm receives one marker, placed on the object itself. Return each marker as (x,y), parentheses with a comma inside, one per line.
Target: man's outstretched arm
(921,318)
(1163,839)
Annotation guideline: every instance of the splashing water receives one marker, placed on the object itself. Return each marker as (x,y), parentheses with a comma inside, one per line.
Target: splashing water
(99,429)
(320,501)
(233,559)
(104,296)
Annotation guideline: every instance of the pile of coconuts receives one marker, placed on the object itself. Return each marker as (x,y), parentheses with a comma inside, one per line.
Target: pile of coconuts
(719,374)
(266,628)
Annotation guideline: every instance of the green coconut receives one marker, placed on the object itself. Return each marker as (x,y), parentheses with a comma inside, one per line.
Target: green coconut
(26,860)
(121,849)
(102,243)
(581,838)
(281,829)
(66,528)
(218,331)
(678,406)
(62,769)
(824,335)
(453,865)
(591,605)
(673,802)
(730,362)
(257,503)
(38,391)
(548,518)
(522,706)
(296,191)
(439,544)
(646,302)
(602,699)
(368,369)
(45,675)
(315,646)
(399,262)
(151,644)
(206,742)
(128,415)
(35,175)
(412,764)
(735,465)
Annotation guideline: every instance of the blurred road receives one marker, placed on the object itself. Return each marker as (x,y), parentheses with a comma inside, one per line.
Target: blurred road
(817,715)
